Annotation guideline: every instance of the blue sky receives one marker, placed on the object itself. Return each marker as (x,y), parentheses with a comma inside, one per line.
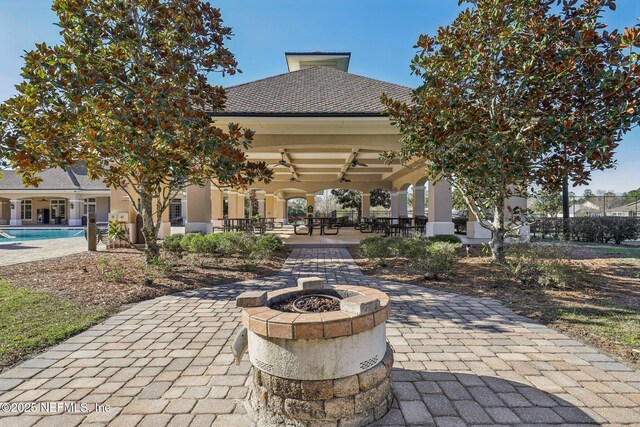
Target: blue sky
(379,33)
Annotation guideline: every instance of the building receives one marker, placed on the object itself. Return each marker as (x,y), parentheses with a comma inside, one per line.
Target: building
(320,127)
(62,198)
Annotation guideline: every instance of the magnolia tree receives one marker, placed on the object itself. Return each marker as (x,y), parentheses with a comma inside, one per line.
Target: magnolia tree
(518,93)
(126,94)
(351,199)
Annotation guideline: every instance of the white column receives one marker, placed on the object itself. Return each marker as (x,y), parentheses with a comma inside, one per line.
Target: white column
(418,200)
(75,212)
(394,204)
(198,209)
(402,204)
(16,206)
(440,206)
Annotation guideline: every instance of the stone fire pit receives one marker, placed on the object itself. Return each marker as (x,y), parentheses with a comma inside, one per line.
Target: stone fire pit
(331,368)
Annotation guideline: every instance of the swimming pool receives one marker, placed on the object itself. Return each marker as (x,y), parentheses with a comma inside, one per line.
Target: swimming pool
(23,235)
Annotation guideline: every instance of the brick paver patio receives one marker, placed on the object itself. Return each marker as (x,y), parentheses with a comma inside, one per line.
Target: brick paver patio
(459,361)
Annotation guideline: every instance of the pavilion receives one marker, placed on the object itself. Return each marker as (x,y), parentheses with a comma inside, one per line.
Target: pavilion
(320,127)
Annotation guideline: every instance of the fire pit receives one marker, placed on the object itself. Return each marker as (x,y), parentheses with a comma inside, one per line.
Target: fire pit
(319,354)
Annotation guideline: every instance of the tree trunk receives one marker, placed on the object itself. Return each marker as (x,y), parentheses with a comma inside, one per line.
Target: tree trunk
(149,230)
(497,241)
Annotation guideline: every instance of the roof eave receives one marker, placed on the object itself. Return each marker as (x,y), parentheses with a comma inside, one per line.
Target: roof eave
(297,114)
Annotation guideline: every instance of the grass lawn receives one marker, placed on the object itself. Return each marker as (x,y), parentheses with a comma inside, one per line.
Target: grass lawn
(31,320)
(603,309)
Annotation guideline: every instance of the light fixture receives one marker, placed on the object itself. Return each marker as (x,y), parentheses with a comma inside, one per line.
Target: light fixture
(70,205)
(13,205)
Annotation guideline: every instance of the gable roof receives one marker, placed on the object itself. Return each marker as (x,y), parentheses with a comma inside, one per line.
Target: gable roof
(74,178)
(317,91)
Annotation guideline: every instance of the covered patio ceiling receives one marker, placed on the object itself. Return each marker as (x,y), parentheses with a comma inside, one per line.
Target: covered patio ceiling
(326,164)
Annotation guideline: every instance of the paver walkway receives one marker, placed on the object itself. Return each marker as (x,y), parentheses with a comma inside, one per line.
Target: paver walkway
(459,361)
(37,250)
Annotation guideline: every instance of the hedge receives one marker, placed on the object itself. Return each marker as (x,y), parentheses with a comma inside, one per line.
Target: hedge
(592,229)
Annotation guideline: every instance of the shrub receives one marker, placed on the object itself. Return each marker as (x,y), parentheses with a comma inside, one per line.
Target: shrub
(375,248)
(621,229)
(172,243)
(544,265)
(447,238)
(433,259)
(185,242)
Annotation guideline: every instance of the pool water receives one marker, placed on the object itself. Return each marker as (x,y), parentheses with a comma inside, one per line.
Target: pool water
(23,235)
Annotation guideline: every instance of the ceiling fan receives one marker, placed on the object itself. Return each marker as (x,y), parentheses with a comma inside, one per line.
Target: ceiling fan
(344,179)
(294,179)
(282,162)
(356,162)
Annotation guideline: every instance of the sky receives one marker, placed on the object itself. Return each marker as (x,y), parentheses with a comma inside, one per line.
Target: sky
(380,35)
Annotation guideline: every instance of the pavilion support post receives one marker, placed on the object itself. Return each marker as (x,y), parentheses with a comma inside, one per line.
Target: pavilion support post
(418,200)
(198,209)
(270,206)
(241,203)
(16,208)
(365,204)
(262,208)
(403,205)
(394,205)
(232,204)
(281,210)
(217,207)
(475,230)
(440,206)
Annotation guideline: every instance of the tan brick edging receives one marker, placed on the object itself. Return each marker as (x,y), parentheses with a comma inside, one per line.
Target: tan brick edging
(268,322)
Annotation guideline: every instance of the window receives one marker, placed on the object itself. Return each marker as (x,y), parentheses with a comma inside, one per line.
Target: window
(26,210)
(58,208)
(175,209)
(89,206)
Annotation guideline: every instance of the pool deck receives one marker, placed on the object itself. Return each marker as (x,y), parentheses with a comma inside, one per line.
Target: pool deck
(37,250)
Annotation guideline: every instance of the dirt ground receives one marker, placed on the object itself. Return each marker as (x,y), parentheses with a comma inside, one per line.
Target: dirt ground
(114,279)
(604,310)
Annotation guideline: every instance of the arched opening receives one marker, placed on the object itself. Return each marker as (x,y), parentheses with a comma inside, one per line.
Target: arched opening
(296,209)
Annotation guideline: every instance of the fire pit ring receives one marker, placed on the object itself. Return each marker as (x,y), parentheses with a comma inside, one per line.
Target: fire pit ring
(316,368)
(298,302)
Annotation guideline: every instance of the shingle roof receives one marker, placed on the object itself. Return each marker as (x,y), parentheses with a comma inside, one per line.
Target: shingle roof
(53,179)
(316,91)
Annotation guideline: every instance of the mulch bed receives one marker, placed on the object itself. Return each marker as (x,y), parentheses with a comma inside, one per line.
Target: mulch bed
(117,278)
(613,283)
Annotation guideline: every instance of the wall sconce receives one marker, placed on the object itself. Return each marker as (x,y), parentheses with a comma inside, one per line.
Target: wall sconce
(71,205)
(13,206)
